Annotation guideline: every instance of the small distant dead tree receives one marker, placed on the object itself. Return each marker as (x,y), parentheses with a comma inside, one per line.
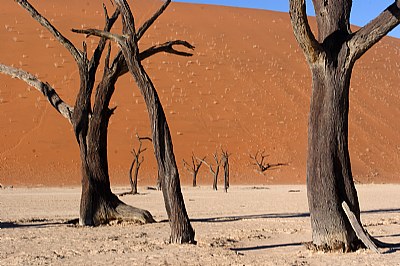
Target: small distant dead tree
(225,161)
(194,168)
(258,160)
(135,165)
(215,171)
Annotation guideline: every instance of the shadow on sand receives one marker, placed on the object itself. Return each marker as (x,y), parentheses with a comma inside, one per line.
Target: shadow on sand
(40,223)
(222,219)
(266,247)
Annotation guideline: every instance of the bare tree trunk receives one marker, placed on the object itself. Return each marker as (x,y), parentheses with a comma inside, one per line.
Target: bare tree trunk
(181,229)
(98,204)
(135,179)
(131,179)
(329,176)
(215,183)
(225,160)
(331,58)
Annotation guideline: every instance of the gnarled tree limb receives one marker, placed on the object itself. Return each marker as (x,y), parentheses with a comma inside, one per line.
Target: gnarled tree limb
(109,22)
(302,30)
(100,33)
(167,47)
(375,30)
(45,88)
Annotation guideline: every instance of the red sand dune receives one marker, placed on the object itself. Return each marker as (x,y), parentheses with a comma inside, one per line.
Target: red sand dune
(246,88)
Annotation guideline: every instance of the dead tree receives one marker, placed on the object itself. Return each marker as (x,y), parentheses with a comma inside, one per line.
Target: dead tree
(194,168)
(225,161)
(89,121)
(258,160)
(215,171)
(181,229)
(331,57)
(135,166)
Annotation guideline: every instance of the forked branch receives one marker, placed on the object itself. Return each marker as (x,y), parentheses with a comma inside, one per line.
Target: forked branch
(167,47)
(214,171)
(100,33)
(375,30)
(194,168)
(45,88)
(302,30)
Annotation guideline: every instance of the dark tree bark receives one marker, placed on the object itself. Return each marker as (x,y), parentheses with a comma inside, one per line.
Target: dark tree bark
(225,162)
(98,203)
(194,168)
(158,184)
(181,229)
(331,58)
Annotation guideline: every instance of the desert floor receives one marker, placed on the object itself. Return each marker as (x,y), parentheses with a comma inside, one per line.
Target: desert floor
(249,225)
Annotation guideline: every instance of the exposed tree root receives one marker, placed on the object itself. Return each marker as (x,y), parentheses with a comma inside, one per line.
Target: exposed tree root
(121,213)
(126,212)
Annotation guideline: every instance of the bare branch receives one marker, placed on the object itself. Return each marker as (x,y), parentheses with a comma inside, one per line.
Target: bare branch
(167,47)
(100,33)
(109,22)
(45,23)
(149,22)
(258,159)
(186,165)
(51,95)
(128,21)
(143,138)
(302,30)
(371,33)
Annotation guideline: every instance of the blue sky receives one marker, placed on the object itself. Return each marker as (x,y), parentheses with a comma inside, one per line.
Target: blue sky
(362,12)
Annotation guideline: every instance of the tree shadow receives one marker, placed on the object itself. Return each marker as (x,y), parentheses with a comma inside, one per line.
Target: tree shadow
(242,249)
(129,193)
(381,211)
(30,224)
(223,219)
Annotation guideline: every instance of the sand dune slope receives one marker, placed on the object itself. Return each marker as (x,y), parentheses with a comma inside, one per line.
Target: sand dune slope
(246,88)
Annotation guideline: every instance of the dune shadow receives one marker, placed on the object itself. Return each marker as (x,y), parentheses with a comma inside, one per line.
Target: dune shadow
(242,249)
